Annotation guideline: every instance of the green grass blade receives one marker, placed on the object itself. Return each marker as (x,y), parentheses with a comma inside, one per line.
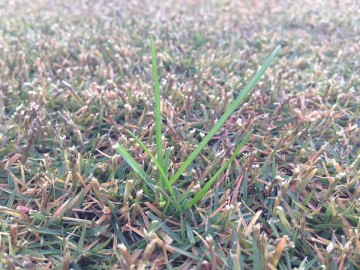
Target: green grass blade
(256,255)
(208,185)
(166,162)
(157,103)
(158,165)
(190,233)
(243,94)
(81,242)
(161,224)
(136,167)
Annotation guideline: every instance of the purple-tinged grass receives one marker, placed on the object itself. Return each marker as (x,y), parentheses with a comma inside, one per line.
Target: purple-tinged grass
(80,75)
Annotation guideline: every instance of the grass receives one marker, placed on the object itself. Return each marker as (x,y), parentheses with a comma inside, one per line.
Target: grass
(181,152)
(164,181)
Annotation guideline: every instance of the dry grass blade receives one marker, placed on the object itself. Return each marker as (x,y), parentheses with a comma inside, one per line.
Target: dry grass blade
(76,76)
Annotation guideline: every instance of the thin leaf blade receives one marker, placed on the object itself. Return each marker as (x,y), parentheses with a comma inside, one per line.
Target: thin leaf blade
(208,185)
(157,103)
(244,93)
(158,165)
(136,167)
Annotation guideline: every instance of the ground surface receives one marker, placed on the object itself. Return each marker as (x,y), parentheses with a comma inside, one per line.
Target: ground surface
(74,75)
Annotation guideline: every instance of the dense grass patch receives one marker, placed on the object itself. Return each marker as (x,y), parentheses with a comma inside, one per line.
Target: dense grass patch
(98,171)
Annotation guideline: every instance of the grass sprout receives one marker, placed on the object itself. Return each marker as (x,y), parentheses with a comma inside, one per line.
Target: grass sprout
(158,160)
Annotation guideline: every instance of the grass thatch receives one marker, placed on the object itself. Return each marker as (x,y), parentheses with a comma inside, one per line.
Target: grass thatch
(75,76)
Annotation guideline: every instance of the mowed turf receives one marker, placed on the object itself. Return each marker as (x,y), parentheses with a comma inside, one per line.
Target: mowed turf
(97,163)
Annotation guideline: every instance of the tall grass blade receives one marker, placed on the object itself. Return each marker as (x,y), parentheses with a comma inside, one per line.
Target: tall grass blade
(208,185)
(157,103)
(244,93)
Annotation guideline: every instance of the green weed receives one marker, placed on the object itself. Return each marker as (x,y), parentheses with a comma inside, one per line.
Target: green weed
(164,182)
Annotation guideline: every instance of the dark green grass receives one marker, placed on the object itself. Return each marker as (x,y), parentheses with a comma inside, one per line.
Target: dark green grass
(75,77)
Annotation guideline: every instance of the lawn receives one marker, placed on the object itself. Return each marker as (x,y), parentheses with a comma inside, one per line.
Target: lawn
(183,134)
